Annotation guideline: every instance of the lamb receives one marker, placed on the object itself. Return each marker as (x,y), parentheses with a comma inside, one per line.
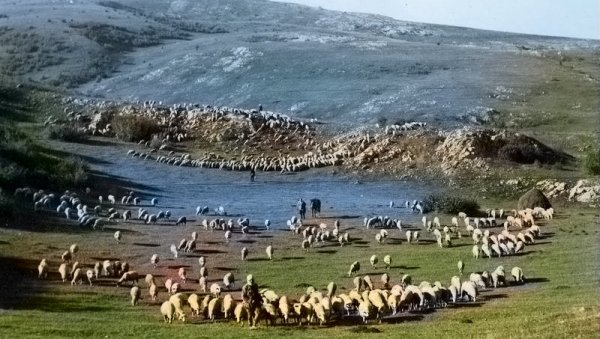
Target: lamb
(387,260)
(167,309)
(374,261)
(228,306)
(228,280)
(215,290)
(135,295)
(43,269)
(354,268)
(227,236)
(154,260)
(269,252)
(77,277)
(517,274)
(461,266)
(90,276)
(244,253)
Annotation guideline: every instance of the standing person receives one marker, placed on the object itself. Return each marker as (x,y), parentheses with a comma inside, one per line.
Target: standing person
(301,208)
(252,300)
(252,174)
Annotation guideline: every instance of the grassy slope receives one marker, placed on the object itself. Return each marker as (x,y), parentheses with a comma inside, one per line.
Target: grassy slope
(561,301)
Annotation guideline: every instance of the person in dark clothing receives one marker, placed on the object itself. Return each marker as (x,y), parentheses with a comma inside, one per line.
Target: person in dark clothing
(252,174)
(301,208)
(252,300)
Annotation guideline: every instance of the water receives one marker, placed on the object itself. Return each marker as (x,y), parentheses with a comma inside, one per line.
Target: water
(272,196)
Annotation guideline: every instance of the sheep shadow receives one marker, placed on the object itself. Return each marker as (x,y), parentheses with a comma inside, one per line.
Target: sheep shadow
(400,318)
(223,268)
(257,259)
(146,244)
(105,258)
(265,236)
(327,251)
(536,280)
(176,267)
(460,245)
(197,253)
(293,258)
(426,242)
(404,267)
(465,304)
(342,217)
(540,243)
(360,242)
(496,296)
(246,241)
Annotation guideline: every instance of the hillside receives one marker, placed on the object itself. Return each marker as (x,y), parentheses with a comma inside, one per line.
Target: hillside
(346,68)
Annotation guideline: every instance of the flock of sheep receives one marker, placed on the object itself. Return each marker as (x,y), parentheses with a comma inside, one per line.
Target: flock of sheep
(367,299)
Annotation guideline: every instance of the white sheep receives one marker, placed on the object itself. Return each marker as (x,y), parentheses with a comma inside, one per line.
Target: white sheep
(461,266)
(167,310)
(228,280)
(194,302)
(66,256)
(173,250)
(77,277)
(43,269)
(244,253)
(90,276)
(178,300)
(117,236)
(129,276)
(469,289)
(153,291)
(374,260)
(62,270)
(387,260)
(228,306)
(227,236)
(74,248)
(517,274)
(269,252)
(182,274)
(154,260)
(215,290)
(135,294)
(354,268)
(201,261)
(214,307)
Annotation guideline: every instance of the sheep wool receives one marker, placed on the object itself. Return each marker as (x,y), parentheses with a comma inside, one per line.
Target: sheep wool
(167,310)
(43,269)
(135,295)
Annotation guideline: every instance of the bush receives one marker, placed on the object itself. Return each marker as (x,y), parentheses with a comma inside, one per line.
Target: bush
(591,162)
(65,133)
(134,127)
(449,205)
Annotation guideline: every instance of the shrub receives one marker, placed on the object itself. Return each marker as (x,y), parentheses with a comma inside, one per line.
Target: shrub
(134,127)
(65,133)
(591,162)
(449,205)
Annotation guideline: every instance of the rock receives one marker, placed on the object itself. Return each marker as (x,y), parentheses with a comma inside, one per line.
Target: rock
(533,198)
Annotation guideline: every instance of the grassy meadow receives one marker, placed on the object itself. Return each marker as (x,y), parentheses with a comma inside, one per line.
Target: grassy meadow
(560,298)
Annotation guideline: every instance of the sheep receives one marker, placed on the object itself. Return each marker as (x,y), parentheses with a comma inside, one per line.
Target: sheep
(182,244)
(178,300)
(173,250)
(77,277)
(190,246)
(117,236)
(244,253)
(215,290)
(66,256)
(354,268)
(90,276)
(181,221)
(228,280)
(43,269)
(107,269)
(364,310)
(175,288)
(201,261)
(368,282)
(374,261)
(227,236)
(62,270)
(241,313)
(358,283)
(385,280)
(477,279)
(408,236)
(331,288)
(269,251)
(154,201)
(135,295)
(406,279)
(387,260)
(153,291)
(461,266)
(194,302)
(129,276)
(182,274)
(517,275)
(284,308)
(167,309)
(203,271)
(228,306)
(214,307)
(154,260)
(469,289)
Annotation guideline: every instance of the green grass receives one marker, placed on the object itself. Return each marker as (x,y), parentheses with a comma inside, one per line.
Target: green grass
(560,301)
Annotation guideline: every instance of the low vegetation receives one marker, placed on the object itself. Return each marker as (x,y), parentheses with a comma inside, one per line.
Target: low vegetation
(134,128)
(443,203)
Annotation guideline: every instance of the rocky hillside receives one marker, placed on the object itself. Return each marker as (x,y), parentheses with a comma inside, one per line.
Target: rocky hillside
(306,62)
